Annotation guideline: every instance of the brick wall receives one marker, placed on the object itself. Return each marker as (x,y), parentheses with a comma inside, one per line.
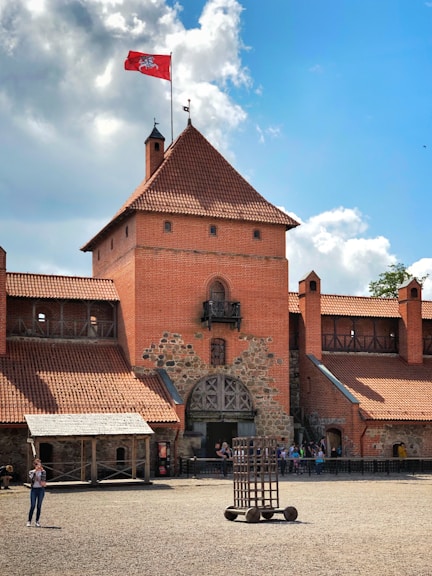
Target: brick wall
(3,309)
(410,324)
(163,278)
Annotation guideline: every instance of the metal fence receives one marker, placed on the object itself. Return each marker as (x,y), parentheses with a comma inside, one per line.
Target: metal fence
(193,467)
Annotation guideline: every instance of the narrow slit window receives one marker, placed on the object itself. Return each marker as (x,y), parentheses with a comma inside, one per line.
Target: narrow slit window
(257,234)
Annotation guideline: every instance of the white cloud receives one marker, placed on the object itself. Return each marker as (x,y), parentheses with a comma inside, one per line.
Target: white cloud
(70,93)
(333,244)
(271,132)
(316,69)
(419,269)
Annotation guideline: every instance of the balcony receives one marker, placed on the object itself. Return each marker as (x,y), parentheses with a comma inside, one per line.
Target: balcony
(221,311)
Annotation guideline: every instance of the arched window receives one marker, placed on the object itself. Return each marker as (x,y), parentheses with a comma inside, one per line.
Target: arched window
(217,291)
(213,230)
(217,351)
(167,226)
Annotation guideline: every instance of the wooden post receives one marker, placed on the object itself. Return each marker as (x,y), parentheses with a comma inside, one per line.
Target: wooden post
(134,457)
(83,472)
(147,461)
(93,462)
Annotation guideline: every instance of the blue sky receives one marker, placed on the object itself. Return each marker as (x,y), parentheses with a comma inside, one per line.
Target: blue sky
(323,105)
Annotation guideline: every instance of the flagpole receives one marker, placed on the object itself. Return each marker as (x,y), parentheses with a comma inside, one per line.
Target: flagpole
(172,137)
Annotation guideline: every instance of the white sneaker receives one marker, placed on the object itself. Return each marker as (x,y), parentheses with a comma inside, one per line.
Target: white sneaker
(38,525)
(28,524)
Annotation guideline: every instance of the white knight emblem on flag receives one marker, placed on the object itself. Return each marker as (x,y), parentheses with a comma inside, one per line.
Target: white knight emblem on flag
(147,62)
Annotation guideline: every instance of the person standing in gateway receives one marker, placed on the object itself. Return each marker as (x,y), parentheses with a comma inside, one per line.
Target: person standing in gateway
(38,482)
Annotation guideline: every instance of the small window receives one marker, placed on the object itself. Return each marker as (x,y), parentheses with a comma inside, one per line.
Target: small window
(98,255)
(127,231)
(217,351)
(156,146)
(167,226)
(213,230)
(313,286)
(41,317)
(414,293)
(112,243)
(257,234)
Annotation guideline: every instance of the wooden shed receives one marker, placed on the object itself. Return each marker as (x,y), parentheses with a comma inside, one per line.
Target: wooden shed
(94,429)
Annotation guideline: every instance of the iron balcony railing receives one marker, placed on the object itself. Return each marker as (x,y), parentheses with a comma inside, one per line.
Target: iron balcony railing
(221,311)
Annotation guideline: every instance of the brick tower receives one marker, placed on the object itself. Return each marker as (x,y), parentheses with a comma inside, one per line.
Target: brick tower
(198,259)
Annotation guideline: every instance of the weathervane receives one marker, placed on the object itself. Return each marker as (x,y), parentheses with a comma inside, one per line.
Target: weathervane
(187,109)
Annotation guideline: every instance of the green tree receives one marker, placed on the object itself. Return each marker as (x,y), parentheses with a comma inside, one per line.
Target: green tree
(388,282)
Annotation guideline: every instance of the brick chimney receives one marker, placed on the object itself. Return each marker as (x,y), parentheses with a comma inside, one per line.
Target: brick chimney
(410,323)
(154,151)
(310,310)
(2,302)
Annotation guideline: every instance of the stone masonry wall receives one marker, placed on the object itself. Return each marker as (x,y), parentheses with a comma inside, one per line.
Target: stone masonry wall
(251,367)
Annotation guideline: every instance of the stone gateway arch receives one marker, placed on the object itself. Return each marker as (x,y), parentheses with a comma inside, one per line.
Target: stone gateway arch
(220,408)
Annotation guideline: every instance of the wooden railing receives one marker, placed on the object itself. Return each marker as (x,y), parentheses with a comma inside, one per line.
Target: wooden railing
(62,328)
(354,343)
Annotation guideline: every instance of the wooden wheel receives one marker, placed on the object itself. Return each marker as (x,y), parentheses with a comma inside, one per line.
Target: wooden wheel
(229,514)
(252,515)
(267,515)
(290,513)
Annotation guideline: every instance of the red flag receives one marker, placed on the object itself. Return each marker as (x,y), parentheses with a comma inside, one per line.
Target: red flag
(151,64)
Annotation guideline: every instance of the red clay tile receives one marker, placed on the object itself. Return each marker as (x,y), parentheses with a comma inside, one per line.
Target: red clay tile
(360,306)
(52,377)
(387,387)
(195,179)
(67,287)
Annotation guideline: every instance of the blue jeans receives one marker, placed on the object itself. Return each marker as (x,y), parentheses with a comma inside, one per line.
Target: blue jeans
(36,497)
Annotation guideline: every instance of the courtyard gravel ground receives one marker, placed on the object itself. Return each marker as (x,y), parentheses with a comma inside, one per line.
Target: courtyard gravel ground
(176,527)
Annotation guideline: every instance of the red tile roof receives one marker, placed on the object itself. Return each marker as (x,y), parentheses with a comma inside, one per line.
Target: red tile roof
(52,377)
(387,387)
(364,306)
(65,287)
(195,179)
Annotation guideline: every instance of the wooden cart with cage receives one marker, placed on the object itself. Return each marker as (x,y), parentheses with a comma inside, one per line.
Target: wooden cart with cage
(256,484)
